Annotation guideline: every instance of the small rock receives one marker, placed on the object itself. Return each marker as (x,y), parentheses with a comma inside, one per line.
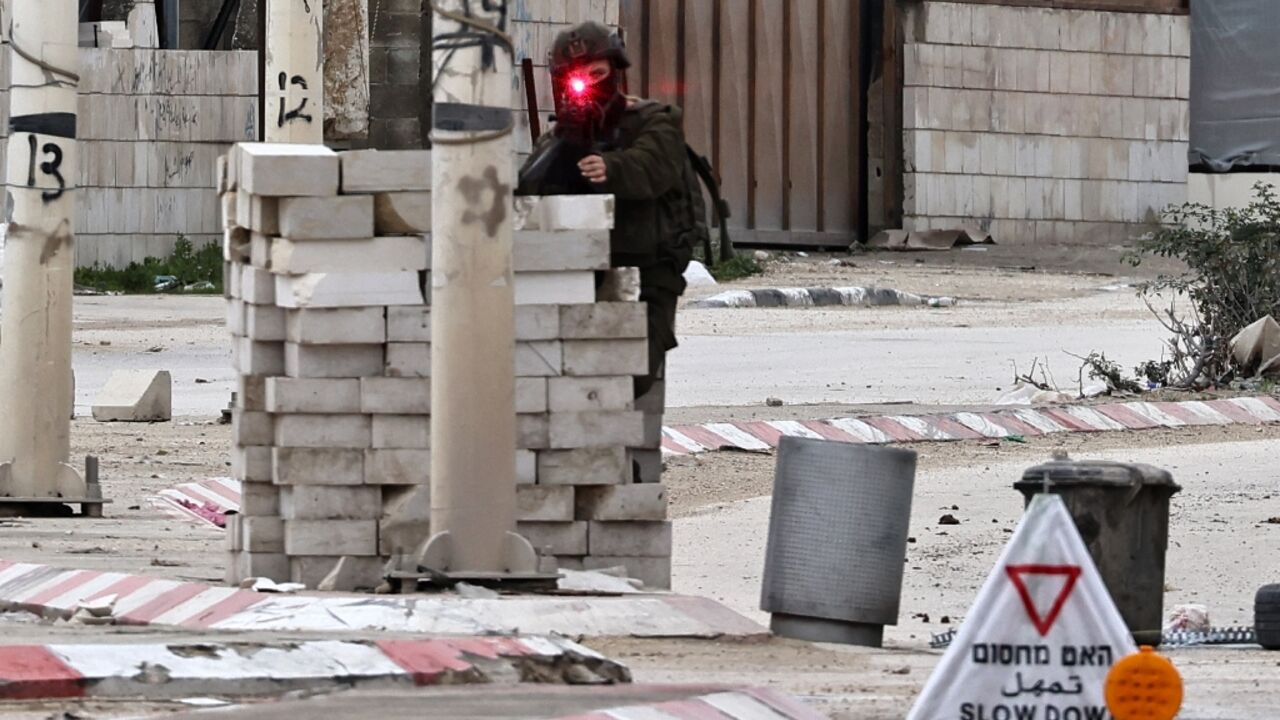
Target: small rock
(945,620)
(774,402)
(104,342)
(899,671)
(948,519)
(761,256)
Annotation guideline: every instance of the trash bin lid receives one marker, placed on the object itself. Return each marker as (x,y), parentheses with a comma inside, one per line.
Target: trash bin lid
(1096,472)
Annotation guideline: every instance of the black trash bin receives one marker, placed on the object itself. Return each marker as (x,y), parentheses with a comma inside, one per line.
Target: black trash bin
(1122,512)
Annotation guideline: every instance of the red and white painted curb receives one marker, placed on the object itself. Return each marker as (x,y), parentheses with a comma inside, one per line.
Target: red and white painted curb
(749,704)
(997,424)
(145,600)
(175,670)
(211,500)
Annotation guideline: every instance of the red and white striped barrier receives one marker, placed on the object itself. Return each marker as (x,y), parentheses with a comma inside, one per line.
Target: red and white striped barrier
(160,671)
(997,424)
(211,500)
(749,704)
(145,600)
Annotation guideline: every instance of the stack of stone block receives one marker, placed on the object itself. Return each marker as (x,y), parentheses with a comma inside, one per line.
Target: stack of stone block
(328,255)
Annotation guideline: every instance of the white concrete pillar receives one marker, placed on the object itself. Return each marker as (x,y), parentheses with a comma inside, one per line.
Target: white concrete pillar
(473,430)
(294,82)
(35,327)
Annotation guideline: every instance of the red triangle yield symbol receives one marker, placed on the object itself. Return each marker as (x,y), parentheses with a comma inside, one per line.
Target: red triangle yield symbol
(1018,573)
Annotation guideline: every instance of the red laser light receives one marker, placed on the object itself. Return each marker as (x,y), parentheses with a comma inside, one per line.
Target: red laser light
(578,85)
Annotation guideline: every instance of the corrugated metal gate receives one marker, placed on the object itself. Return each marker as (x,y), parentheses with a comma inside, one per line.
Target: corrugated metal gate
(773,93)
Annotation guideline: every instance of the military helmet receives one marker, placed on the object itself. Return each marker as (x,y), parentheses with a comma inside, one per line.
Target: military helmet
(588,42)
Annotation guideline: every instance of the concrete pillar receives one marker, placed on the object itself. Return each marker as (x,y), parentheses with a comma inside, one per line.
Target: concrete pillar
(35,327)
(473,433)
(293,82)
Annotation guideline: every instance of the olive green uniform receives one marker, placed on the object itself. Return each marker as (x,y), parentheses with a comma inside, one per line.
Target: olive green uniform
(648,176)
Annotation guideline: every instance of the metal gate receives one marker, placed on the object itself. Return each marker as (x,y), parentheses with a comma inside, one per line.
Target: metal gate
(774,93)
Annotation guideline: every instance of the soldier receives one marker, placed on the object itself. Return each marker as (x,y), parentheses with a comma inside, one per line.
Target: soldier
(634,149)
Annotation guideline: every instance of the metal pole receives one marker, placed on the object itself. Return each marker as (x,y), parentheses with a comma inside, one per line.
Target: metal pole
(473,430)
(35,327)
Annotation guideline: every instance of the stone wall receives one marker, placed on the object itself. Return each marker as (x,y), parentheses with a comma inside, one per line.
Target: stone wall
(1043,125)
(152,124)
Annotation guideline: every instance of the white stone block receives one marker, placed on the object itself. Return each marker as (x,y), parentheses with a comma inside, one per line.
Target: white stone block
(571,212)
(348,290)
(260,498)
(654,572)
(251,393)
(258,565)
(555,288)
(332,361)
(372,255)
(330,502)
(335,326)
(532,432)
(556,538)
(228,208)
(313,396)
(258,358)
(596,429)
(331,537)
(594,358)
(409,323)
(571,394)
(135,396)
(539,359)
(325,218)
(235,318)
(537,251)
(531,395)
(235,249)
(322,431)
(260,250)
(260,534)
(258,213)
(402,213)
(398,466)
(257,286)
(264,323)
(276,169)
(408,360)
(249,427)
(372,171)
(606,321)
(544,503)
(395,396)
(630,539)
(537,322)
(526,467)
(251,464)
(593,466)
(622,502)
(401,432)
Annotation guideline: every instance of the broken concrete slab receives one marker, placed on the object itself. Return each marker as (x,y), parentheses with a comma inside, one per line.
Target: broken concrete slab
(135,396)
(1257,345)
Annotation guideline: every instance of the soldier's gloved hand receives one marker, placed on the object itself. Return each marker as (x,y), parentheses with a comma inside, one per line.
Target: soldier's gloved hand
(594,169)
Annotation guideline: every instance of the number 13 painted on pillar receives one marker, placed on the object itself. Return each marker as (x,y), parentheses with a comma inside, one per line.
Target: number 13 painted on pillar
(52,167)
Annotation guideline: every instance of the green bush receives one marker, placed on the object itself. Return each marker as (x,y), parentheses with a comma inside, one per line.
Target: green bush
(1232,279)
(187,266)
(736,268)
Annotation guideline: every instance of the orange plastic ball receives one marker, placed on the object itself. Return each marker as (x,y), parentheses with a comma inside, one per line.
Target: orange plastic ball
(1144,686)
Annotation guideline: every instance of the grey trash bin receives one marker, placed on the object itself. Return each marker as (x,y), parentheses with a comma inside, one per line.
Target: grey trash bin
(837,540)
(1122,512)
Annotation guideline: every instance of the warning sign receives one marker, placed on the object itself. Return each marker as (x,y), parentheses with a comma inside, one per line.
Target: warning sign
(1041,635)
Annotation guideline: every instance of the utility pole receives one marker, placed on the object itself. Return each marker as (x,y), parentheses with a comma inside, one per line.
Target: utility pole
(39,264)
(473,429)
(293,75)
